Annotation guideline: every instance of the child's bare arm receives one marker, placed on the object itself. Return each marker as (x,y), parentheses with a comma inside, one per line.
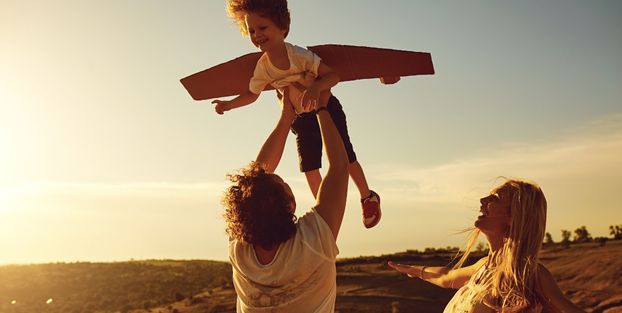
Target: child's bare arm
(244,99)
(327,78)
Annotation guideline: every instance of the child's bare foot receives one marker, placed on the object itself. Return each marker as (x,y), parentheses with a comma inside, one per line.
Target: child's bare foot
(371,209)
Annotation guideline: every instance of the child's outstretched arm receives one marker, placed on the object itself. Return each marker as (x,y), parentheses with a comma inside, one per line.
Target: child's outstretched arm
(246,98)
(327,78)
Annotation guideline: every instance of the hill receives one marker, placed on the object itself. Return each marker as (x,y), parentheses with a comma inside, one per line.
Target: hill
(588,273)
(105,287)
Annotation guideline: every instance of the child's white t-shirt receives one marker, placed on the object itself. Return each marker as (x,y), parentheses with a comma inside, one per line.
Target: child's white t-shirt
(301,278)
(301,63)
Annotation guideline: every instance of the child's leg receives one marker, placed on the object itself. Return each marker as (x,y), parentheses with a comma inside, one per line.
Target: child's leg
(314,178)
(358,177)
(370,201)
(309,145)
(356,171)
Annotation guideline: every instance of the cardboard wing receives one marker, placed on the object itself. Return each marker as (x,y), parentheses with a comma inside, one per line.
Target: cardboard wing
(350,62)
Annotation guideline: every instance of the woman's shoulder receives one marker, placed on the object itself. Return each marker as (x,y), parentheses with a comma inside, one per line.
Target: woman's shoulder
(543,273)
(480,264)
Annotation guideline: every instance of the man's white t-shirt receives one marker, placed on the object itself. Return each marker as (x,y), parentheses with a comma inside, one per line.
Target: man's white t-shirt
(301,278)
(303,68)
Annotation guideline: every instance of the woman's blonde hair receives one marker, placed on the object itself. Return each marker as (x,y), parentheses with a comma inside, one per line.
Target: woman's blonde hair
(512,281)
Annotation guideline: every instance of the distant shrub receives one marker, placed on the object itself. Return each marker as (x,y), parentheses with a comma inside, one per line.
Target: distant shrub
(429,250)
(582,235)
(616,231)
(548,239)
(601,241)
(565,238)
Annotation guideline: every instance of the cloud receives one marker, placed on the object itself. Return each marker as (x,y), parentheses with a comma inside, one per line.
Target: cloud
(590,154)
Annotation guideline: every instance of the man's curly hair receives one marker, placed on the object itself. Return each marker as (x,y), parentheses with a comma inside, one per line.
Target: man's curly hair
(275,10)
(258,209)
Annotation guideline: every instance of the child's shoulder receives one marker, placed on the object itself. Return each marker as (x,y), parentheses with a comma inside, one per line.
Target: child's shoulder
(291,46)
(298,50)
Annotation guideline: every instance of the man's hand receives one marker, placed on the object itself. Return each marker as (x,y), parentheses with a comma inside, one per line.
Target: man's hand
(287,109)
(222,106)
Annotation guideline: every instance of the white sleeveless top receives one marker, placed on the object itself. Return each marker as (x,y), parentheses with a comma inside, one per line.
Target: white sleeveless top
(466,301)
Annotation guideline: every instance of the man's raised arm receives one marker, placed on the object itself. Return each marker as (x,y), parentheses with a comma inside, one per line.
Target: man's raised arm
(331,197)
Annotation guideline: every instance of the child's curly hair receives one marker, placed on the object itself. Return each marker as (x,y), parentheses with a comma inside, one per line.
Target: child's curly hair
(275,10)
(258,209)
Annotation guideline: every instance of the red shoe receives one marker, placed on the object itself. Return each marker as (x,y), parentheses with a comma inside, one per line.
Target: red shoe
(371,209)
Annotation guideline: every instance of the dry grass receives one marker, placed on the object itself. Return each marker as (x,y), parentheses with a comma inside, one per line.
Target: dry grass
(589,274)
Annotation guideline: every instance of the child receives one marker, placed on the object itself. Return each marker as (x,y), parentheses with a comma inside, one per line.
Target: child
(284,65)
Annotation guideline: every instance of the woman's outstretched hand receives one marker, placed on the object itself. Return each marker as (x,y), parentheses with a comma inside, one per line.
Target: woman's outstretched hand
(409,270)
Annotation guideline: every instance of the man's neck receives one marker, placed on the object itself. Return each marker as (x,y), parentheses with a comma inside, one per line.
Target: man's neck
(265,256)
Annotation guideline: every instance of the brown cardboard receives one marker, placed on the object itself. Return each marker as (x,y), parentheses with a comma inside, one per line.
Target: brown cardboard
(350,62)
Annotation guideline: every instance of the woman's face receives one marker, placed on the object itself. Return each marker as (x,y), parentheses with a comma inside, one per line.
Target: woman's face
(494,219)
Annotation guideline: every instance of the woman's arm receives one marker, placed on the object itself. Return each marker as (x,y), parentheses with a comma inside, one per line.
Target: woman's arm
(440,275)
(551,296)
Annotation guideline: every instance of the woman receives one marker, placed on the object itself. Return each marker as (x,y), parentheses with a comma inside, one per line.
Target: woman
(510,278)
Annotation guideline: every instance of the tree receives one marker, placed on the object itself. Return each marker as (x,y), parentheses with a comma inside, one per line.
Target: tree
(616,231)
(548,239)
(582,235)
(565,238)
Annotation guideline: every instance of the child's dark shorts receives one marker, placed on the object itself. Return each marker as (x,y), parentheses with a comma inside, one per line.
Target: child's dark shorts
(309,138)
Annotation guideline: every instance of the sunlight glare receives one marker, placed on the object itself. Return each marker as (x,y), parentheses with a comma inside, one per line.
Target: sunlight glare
(7,198)
(11,197)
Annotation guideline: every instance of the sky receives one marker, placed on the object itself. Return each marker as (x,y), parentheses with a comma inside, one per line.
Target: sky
(105,157)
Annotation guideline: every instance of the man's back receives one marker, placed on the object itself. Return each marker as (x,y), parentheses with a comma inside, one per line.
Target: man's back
(301,277)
